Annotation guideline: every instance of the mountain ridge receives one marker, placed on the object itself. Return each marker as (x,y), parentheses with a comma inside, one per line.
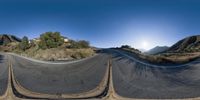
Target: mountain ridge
(157,49)
(6,38)
(188,44)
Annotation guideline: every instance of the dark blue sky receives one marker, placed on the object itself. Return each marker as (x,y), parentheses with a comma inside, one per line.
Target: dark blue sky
(105,23)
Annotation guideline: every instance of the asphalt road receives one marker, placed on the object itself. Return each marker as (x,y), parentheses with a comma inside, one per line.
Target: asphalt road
(71,78)
(3,74)
(135,79)
(132,78)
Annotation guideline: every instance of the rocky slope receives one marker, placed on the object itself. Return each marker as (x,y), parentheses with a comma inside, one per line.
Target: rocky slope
(188,44)
(5,39)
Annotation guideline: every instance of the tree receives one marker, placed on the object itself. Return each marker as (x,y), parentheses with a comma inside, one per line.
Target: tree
(79,44)
(24,44)
(125,46)
(84,44)
(50,40)
(73,44)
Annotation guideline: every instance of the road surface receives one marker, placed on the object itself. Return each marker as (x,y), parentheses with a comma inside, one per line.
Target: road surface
(3,73)
(71,78)
(132,78)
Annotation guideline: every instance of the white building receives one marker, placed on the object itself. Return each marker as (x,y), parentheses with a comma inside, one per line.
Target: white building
(66,40)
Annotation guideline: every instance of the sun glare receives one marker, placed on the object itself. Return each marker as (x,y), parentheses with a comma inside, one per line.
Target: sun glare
(145,45)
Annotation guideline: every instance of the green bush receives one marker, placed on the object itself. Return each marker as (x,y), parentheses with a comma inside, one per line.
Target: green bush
(84,44)
(24,44)
(50,40)
(125,46)
(79,44)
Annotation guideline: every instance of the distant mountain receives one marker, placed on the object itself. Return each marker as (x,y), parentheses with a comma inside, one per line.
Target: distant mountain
(157,49)
(142,50)
(5,39)
(188,44)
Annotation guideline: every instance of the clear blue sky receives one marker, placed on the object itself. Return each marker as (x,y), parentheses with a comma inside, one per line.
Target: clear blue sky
(105,23)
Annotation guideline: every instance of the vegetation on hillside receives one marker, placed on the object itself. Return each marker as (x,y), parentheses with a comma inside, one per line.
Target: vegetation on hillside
(187,45)
(165,58)
(50,40)
(79,44)
(129,48)
(50,46)
(24,44)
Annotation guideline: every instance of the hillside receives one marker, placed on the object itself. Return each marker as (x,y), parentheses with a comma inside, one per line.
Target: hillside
(5,39)
(157,49)
(188,44)
(50,46)
(185,50)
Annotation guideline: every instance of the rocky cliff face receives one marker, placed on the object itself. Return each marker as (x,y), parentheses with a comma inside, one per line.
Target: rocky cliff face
(5,39)
(188,44)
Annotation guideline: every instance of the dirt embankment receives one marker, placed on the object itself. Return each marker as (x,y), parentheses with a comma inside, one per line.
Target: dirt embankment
(58,54)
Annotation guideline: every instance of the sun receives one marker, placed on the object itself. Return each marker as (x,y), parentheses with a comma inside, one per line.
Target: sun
(145,45)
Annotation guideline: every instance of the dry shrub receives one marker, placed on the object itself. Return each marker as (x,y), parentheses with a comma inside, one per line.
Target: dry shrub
(174,58)
(62,54)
